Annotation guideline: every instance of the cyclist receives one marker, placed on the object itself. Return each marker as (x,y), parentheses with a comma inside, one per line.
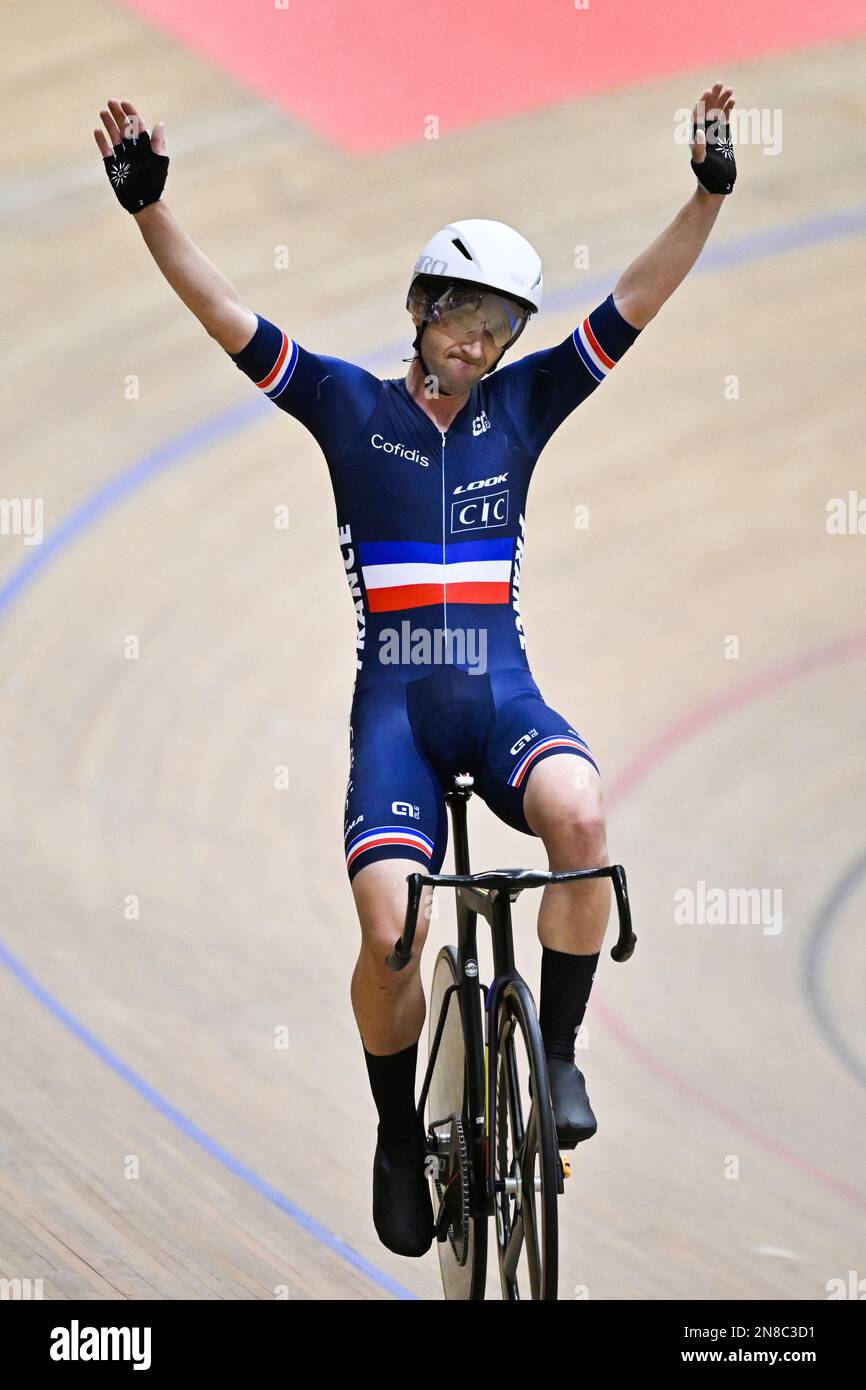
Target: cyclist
(430,475)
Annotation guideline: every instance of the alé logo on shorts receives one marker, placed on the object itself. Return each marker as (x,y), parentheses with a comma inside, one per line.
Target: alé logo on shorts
(522,741)
(471,513)
(379,441)
(405,808)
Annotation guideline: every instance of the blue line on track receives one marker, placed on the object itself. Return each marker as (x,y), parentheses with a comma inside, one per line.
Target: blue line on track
(818,990)
(198,1136)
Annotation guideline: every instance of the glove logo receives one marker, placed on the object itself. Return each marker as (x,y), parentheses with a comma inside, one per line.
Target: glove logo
(135,172)
(726,148)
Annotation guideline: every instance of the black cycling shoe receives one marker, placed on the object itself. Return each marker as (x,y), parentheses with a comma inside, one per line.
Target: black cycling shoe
(402,1208)
(574,1118)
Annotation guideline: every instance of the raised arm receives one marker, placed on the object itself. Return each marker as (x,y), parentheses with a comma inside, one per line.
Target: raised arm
(196,280)
(652,278)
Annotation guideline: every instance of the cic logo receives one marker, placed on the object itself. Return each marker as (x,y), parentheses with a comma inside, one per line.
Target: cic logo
(480,513)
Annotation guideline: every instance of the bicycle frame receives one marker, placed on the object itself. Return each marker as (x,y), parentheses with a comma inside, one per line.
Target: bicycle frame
(489,894)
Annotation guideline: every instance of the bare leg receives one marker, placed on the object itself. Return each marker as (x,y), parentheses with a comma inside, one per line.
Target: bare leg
(389,1005)
(563,806)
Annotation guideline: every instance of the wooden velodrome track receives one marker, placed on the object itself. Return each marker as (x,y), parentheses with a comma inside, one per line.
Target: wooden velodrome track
(154,1141)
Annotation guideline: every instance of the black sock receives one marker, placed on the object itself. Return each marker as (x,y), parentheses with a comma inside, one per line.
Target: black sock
(392,1081)
(566,981)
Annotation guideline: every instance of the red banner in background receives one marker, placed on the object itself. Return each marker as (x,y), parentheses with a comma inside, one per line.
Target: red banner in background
(365,74)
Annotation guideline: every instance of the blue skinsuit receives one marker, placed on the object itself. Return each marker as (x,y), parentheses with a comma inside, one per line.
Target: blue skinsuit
(431,527)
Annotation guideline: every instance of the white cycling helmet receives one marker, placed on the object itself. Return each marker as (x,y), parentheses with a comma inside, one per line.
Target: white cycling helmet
(485,253)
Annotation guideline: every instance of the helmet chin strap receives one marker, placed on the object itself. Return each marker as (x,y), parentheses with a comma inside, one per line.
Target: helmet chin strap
(426,370)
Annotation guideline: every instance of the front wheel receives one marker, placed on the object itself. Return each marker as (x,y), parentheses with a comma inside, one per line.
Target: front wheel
(525,1152)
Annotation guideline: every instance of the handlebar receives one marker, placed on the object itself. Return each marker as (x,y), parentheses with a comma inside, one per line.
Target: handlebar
(482,888)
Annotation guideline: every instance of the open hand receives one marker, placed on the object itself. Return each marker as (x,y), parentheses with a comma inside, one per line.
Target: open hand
(135,162)
(711,148)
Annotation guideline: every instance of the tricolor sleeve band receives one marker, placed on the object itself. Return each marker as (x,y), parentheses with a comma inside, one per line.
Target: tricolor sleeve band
(603,338)
(269,358)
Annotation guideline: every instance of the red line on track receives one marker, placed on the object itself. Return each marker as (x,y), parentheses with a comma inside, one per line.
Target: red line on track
(635,772)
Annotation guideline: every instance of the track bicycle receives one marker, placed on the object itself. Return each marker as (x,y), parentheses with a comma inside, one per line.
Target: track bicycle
(491,1133)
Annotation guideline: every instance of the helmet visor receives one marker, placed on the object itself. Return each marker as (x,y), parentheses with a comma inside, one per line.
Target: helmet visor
(465,309)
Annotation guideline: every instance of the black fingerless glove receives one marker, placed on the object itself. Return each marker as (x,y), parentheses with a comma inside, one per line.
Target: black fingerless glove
(137,174)
(718,173)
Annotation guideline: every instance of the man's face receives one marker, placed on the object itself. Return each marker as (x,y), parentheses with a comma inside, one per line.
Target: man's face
(457,360)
